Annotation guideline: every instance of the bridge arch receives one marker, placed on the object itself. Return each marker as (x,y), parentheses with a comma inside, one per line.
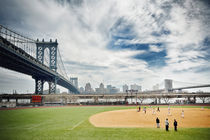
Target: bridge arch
(46,57)
(46,87)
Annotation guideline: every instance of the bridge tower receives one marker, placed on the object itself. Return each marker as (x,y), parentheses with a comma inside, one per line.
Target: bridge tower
(40,48)
(168,85)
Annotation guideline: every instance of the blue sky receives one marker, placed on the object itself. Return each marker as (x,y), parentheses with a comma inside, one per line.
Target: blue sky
(116,41)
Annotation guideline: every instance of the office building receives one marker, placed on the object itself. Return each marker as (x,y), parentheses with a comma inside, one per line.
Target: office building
(74,81)
(168,84)
(135,87)
(125,88)
(88,88)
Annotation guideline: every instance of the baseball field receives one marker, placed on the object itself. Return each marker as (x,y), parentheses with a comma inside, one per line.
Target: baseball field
(104,123)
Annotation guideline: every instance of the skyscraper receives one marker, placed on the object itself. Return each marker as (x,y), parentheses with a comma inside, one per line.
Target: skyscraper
(136,87)
(101,89)
(88,88)
(81,90)
(74,81)
(114,90)
(125,88)
(168,84)
(108,88)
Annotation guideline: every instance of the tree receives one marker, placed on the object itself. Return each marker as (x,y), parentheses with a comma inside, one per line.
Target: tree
(141,99)
(203,99)
(166,100)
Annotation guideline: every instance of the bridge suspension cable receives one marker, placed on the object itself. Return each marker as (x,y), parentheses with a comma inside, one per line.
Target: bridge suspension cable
(61,69)
(26,44)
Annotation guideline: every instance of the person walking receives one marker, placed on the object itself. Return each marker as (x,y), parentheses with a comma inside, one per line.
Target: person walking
(166,124)
(175,125)
(158,122)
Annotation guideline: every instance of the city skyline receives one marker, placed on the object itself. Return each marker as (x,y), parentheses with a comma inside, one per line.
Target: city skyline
(102,88)
(116,42)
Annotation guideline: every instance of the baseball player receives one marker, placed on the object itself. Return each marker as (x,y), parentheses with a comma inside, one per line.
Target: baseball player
(166,124)
(153,111)
(158,122)
(182,115)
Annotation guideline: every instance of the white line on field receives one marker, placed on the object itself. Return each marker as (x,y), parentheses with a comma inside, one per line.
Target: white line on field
(35,126)
(39,124)
(77,124)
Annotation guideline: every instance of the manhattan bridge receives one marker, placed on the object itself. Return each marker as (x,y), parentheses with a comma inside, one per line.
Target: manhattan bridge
(37,58)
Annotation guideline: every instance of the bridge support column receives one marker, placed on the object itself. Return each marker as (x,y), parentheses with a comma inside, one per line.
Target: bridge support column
(39,86)
(52,86)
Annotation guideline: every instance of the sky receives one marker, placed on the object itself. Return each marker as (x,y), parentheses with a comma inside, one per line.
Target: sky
(116,42)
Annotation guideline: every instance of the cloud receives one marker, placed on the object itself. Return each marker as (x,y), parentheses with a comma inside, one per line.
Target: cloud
(84,66)
(10,80)
(154,48)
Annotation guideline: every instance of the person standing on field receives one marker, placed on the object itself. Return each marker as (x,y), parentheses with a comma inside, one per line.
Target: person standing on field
(182,114)
(138,108)
(158,122)
(175,125)
(153,111)
(145,110)
(166,124)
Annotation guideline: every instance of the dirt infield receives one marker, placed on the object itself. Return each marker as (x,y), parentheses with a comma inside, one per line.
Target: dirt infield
(193,118)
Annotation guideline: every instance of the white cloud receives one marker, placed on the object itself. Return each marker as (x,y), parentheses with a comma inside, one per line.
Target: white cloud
(155,48)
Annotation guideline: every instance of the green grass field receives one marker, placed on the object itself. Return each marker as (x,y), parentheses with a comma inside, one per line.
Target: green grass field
(72,123)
